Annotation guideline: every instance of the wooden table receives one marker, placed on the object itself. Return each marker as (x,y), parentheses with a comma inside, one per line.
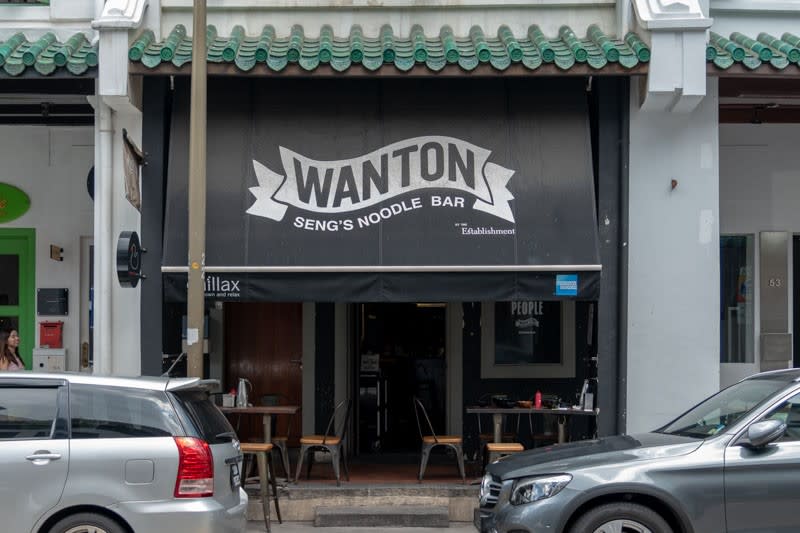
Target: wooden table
(266,412)
(499,412)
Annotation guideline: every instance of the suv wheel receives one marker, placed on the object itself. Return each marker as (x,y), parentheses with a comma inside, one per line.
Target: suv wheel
(87,523)
(621,518)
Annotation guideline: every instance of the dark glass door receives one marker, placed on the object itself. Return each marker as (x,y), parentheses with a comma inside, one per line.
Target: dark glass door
(400,355)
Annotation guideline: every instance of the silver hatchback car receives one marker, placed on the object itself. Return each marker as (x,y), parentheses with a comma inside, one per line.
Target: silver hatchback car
(731,464)
(82,453)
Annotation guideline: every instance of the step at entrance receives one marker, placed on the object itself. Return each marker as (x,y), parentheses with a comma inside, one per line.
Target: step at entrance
(383,516)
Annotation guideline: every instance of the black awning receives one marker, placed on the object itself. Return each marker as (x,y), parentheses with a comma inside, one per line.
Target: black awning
(390,287)
(390,190)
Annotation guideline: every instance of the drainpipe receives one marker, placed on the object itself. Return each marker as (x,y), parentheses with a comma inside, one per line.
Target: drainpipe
(102,229)
(103,260)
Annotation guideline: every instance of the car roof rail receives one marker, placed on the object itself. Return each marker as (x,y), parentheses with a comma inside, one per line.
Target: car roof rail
(792,374)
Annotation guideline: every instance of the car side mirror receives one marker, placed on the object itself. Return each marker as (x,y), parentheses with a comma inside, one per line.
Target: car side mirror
(762,433)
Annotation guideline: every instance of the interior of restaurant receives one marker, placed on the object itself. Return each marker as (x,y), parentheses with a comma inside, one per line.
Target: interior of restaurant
(397,351)
(401,354)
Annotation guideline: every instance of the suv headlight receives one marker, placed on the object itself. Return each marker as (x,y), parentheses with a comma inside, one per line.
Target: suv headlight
(532,489)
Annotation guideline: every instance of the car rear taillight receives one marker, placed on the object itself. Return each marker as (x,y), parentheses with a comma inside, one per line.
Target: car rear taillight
(195,468)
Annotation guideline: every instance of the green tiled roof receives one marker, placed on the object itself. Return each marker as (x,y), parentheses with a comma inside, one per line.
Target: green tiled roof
(738,49)
(501,50)
(46,55)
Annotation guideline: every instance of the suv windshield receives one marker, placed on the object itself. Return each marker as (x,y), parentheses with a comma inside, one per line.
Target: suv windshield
(723,409)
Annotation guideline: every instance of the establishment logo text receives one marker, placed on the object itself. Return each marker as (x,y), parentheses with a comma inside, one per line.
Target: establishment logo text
(414,168)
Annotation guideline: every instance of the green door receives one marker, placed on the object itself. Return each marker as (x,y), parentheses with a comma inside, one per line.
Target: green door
(17,282)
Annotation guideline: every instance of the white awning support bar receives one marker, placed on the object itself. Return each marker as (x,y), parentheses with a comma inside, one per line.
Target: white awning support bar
(370,269)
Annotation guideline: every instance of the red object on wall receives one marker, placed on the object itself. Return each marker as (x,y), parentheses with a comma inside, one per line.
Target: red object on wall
(51,334)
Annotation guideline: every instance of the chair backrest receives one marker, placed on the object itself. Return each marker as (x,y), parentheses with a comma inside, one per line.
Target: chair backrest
(419,408)
(334,430)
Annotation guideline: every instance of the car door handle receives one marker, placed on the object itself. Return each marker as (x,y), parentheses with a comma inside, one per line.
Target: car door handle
(43,457)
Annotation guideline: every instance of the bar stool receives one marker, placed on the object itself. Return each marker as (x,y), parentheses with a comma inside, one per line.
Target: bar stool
(263,453)
(507,436)
(496,450)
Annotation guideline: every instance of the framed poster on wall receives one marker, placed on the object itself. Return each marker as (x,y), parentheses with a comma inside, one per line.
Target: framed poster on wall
(527,339)
(527,332)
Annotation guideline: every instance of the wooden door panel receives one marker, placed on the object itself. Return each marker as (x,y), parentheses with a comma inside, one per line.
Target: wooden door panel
(264,343)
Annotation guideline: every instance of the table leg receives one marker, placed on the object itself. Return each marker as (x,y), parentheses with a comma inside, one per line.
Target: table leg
(562,429)
(267,428)
(497,419)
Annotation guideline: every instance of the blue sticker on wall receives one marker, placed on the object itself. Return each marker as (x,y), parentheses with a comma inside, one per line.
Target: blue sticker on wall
(566,284)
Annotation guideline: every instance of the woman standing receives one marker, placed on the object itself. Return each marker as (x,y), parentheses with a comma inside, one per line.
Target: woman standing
(9,356)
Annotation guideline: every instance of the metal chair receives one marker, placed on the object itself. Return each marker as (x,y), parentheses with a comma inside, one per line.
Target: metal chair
(429,442)
(330,442)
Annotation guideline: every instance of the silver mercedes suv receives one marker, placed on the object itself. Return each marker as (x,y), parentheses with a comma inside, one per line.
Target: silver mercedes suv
(731,464)
(83,453)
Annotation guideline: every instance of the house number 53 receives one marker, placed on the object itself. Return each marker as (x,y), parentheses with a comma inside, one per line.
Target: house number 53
(775,282)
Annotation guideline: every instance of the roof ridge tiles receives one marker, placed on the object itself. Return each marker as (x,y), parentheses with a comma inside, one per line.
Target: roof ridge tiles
(741,49)
(502,50)
(47,55)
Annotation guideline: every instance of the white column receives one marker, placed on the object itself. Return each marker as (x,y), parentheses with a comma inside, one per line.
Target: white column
(673,261)
(103,257)
(117,309)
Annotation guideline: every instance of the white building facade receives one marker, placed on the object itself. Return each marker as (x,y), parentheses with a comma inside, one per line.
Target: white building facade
(692,178)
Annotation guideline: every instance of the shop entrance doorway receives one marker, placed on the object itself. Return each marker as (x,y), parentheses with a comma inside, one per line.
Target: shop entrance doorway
(18,266)
(400,353)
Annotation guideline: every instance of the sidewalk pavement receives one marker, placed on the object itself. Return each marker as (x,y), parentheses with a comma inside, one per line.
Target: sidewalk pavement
(308,527)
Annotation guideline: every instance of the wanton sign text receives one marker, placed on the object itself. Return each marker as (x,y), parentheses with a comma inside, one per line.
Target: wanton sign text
(429,171)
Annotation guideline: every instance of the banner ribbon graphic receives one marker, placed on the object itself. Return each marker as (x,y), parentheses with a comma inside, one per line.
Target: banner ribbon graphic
(412,165)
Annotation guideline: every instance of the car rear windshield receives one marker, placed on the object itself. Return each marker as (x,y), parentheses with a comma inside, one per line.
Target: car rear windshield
(724,409)
(99,412)
(207,421)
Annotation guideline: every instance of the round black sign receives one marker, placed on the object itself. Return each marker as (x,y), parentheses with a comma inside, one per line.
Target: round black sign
(90,183)
(129,259)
